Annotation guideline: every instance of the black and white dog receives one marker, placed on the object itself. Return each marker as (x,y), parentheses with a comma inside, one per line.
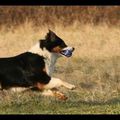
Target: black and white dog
(33,69)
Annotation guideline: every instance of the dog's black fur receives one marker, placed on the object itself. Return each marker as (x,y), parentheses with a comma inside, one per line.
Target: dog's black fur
(23,70)
(28,69)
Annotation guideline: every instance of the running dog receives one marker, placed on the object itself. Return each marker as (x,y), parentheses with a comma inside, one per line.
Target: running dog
(34,68)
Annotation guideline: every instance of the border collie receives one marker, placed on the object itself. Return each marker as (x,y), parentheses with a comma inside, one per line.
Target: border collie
(34,68)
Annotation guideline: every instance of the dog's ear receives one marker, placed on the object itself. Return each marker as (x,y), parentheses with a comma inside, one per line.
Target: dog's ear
(51,35)
(51,32)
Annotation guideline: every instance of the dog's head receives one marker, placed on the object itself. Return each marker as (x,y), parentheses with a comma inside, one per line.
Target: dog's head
(55,44)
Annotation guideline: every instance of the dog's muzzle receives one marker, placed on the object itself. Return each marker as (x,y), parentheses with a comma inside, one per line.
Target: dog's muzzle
(67,51)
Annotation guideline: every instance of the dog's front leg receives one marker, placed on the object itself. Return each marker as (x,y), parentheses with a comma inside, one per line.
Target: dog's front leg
(55,83)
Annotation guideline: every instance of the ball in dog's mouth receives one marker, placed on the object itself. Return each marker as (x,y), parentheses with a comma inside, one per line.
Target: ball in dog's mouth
(67,51)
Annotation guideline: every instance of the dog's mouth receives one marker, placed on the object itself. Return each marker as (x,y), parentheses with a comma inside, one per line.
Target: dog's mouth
(67,51)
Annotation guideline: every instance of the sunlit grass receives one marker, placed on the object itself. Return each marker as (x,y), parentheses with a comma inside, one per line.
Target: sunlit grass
(94,68)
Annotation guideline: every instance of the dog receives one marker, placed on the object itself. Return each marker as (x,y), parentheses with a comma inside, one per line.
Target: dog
(33,69)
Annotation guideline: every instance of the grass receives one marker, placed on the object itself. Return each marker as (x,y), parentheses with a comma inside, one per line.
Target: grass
(65,15)
(94,68)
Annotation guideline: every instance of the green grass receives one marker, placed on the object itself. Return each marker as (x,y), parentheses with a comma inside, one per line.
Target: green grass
(49,106)
(97,90)
(94,68)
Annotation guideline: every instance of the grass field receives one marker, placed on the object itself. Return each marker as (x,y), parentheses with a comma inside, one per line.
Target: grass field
(94,68)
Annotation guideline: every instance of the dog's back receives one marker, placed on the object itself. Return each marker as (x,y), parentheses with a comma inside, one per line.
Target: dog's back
(22,70)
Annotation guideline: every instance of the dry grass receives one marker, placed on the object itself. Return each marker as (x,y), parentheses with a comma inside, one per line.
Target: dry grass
(89,41)
(65,15)
(94,69)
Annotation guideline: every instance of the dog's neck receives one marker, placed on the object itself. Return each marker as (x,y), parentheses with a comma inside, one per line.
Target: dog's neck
(50,58)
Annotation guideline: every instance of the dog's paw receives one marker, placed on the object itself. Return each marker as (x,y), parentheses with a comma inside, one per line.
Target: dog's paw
(72,87)
(63,97)
(60,95)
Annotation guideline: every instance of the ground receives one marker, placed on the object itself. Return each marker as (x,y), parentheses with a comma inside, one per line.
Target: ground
(94,68)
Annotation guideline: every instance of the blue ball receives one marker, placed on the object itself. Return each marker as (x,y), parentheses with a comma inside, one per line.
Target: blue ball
(67,53)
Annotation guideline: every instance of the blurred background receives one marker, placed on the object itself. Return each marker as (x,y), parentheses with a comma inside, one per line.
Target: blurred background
(64,15)
(94,68)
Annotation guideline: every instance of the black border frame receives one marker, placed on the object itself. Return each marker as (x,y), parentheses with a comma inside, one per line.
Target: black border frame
(59,2)
(60,117)
(49,3)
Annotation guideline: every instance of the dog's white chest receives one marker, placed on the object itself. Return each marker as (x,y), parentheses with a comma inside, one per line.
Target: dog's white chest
(50,58)
(50,63)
